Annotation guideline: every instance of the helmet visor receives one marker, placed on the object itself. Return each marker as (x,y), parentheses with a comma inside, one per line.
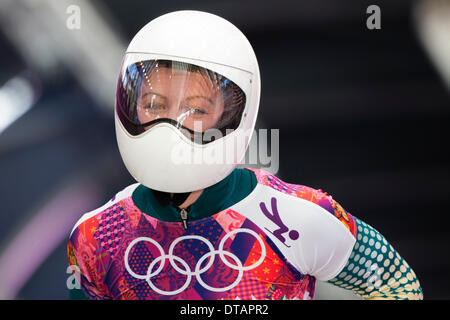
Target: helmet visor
(199,102)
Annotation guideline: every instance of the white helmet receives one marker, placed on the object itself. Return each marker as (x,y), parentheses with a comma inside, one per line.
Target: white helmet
(185,75)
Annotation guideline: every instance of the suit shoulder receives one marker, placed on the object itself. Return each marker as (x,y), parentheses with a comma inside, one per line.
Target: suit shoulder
(87,219)
(316,196)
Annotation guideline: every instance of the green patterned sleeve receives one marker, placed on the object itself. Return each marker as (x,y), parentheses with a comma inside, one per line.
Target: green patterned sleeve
(376,271)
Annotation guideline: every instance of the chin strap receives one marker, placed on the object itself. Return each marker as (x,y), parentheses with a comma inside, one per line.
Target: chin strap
(174,199)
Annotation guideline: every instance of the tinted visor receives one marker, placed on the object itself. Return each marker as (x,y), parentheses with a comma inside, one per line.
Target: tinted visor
(192,98)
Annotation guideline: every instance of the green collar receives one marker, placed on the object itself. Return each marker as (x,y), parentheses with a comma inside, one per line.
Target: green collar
(220,196)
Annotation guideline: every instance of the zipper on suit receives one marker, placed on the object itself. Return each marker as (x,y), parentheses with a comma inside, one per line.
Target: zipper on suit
(184,218)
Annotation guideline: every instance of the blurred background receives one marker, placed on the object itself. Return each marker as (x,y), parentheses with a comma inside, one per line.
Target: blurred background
(363,115)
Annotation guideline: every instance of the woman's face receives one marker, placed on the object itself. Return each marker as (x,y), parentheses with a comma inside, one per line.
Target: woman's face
(184,96)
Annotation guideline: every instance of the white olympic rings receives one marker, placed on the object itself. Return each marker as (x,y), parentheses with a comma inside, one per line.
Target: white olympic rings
(198,271)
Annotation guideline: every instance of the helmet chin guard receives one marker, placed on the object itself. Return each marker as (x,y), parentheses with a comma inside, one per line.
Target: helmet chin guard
(186,74)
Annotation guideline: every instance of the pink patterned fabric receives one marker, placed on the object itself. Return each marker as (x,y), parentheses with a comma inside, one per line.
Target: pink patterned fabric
(124,253)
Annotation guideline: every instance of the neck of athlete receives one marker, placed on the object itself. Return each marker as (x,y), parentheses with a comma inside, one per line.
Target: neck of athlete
(191,199)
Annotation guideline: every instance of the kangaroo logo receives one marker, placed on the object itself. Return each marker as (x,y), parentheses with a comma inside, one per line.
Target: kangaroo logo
(275,218)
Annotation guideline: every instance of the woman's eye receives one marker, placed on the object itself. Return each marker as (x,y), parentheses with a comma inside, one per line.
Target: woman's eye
(154,107)
(197,111)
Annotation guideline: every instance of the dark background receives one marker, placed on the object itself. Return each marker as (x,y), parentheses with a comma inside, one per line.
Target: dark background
(362,114)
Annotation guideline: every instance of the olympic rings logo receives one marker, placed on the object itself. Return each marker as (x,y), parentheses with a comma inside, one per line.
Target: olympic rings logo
(186,270)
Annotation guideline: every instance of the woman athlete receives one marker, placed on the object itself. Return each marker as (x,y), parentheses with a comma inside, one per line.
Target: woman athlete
(194,226)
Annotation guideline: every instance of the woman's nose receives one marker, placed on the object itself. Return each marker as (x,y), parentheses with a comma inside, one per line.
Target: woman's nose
(172,112)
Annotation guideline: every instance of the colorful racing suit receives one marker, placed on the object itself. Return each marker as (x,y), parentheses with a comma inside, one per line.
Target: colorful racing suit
(251,236)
